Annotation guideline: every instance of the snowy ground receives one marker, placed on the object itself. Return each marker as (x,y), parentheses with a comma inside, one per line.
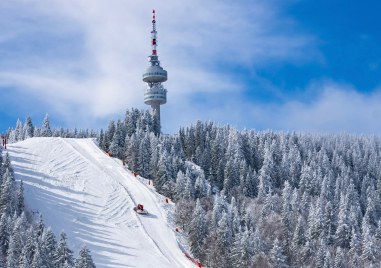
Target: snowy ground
(80,190)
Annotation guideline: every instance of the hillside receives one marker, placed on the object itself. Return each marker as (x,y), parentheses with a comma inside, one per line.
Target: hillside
(81,190)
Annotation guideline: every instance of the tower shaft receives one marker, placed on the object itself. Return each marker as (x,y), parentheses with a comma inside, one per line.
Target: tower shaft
(156,115)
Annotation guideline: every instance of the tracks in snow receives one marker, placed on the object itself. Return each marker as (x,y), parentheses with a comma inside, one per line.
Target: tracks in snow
(80,189)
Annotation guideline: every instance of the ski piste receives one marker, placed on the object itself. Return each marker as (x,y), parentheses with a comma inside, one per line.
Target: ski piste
(81,190)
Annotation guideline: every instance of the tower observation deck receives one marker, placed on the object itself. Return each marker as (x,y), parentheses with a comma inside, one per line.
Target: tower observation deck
(155,94)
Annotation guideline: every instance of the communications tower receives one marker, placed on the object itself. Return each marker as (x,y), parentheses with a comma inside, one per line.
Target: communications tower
(155,94)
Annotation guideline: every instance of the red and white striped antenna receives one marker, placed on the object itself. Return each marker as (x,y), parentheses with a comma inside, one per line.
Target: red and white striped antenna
(154,34)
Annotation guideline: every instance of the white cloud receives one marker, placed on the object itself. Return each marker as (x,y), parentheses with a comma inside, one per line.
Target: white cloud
(338,108)
(110,41)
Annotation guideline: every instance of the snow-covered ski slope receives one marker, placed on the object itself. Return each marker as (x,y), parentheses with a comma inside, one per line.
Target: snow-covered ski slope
(81,190)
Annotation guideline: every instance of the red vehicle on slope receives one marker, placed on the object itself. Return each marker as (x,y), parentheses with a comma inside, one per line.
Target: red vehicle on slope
(140,209)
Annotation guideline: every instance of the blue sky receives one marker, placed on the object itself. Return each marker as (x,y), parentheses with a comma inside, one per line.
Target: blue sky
(281,65)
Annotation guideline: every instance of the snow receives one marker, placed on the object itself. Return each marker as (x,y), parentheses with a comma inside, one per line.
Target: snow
(89,195)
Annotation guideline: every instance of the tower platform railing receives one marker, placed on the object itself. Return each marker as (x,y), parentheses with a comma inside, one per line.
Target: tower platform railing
(162,74)
(159,96)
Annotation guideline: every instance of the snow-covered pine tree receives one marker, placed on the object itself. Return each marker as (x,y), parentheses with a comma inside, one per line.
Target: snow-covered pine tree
(299,239)
(20,206)
(200,187)
(327,221)
(17,241)
(108,136)
(144,156)
(154,159)
(84,259)
(243,249)
(188,189)
(355,245)
(286,215)
(148,121)
(28,129)
(266,175)
(180,185)
(340,258)
(162,171)
(130,154)
(46,131)
(25,262)
(343,232)
(5,231)
(7,166)
(328,262)
(117,141)
(306,177)
(198,231)
(370,251)
(249,184)
(63,256)
(14,249)
(277,257)
(48,248)
(231,175)
(224,242)
(7,194)
(320,256)
(37,261)
(19,134)
(100,140)
(31,243)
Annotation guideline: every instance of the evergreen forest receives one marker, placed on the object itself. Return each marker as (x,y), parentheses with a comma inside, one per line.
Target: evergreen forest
(246,198)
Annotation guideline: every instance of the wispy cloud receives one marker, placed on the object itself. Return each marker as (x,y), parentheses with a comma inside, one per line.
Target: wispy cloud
(339,108)
(334,108)
(84,59)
